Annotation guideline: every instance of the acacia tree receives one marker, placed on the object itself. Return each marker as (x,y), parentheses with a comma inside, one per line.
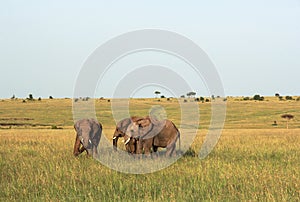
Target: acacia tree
(191,94)
(156,93)
(30,97)
(287,117)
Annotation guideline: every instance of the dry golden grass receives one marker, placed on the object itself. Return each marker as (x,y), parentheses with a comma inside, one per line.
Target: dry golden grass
(253,160)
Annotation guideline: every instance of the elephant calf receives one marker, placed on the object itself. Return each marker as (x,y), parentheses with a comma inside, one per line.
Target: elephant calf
(121,128)
(88,134)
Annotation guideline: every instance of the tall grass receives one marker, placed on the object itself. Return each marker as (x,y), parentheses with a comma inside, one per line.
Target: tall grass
(246,165)
(253,161)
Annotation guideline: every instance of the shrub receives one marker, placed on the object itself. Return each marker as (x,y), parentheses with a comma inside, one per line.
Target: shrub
(54,127)
(190,153)
(30,97)
(258,97)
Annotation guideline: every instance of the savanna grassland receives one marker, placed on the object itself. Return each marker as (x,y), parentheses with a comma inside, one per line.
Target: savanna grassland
(254,160)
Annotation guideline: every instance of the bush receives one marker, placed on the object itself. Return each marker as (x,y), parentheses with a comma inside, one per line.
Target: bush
(258,97)
(288,97)
(54,127)
(190,153)
(30,97)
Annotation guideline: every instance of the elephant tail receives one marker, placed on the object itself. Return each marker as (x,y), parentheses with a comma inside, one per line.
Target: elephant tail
(179,141)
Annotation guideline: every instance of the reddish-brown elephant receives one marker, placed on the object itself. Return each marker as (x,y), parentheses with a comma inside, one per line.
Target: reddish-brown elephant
(147,133)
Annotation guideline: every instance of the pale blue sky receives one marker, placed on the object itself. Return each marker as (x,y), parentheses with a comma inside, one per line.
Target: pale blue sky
(255,45)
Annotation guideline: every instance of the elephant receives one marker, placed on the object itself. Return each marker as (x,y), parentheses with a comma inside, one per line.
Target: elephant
(148,133)
(88,134)
(121,128)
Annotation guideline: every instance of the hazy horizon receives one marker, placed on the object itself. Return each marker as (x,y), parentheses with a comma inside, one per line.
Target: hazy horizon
(255,45)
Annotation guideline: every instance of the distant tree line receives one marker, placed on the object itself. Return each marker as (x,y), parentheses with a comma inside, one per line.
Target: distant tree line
(29,98)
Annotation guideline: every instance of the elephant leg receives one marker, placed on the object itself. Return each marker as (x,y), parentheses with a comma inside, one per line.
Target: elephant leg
(77,149)
(171,150)
(155,153)
(139,148)
(147,147)
(95,151)
(147,151)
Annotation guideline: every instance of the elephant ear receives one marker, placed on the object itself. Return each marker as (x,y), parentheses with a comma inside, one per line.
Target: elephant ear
(76,125)
(144,122)
(157,122)
(96,127)
(152,127)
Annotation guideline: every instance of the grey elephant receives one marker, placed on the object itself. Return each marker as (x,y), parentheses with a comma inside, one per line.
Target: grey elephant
(88,134)
(121,128)
(148,133)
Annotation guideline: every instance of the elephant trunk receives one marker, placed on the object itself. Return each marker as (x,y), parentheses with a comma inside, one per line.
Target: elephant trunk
(115,142)
(77,144)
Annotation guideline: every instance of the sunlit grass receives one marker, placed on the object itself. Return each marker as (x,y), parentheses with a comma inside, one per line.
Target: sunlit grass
(253,160)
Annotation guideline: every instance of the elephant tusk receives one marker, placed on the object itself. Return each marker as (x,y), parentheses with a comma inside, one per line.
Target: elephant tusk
(127,141)
(90,141)
(114,138)
(81,140)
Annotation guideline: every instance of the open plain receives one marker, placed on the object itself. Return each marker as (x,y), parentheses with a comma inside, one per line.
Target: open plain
(253,160)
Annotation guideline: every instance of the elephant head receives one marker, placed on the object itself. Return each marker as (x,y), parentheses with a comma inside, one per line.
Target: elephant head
(121,128)
(88,133)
